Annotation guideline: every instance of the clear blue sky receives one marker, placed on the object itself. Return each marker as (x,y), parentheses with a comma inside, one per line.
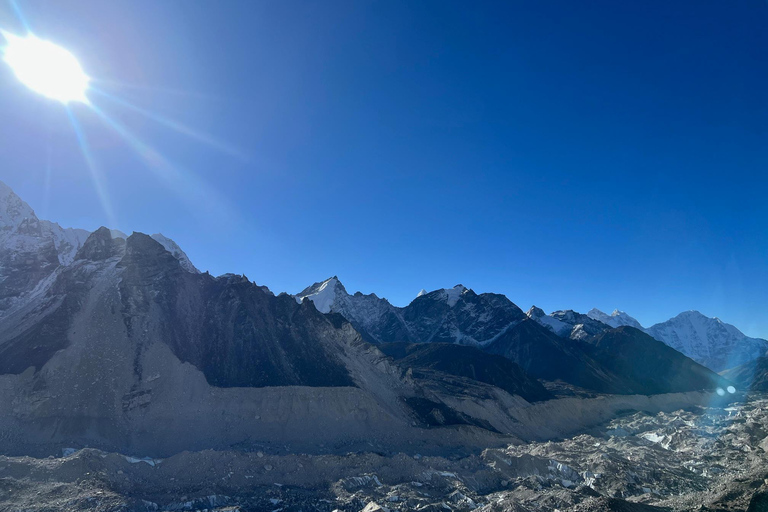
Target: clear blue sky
(567,154)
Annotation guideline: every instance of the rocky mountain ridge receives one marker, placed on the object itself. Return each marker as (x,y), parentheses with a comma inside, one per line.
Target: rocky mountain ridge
(495,325)
(709,341)
(139,383)
(128,347)
(32,251)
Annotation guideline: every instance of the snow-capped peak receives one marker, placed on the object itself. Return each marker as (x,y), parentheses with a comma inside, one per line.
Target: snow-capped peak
(323,294)
(13,210)
(22,231)
(553,324)
(535,312)
(709,341)
(452,295)
(615,319)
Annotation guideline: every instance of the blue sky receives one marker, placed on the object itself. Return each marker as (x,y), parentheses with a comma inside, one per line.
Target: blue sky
(567,154)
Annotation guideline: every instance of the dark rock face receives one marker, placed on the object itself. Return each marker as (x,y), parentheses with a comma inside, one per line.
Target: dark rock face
(31,250)
(467,319)
(752,376)
(468,362)
(547,356)
(243,337)
(588,325)
(39,341)
(648,366)
(37,344)
(21,270)
(235,332)
(429,413)
(101,246)
(759,502)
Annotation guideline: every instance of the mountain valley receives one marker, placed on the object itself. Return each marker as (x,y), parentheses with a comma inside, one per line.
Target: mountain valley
(130,380)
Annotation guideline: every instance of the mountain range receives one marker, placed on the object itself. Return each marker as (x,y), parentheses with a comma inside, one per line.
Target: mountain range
(709,341)
(459,315)
(119,342)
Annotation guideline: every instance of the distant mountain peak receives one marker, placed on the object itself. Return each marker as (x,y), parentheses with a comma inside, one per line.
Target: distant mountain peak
(101,245)
(616,319)
(454,294)
(13,210)
(323,294)
(707,340)
(693,314)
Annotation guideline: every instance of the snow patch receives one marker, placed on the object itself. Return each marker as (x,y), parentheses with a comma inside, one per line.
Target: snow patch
(147,460)
(452,295)
(615,319)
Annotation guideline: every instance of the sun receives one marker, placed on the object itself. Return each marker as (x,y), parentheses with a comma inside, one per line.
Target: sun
(46,68)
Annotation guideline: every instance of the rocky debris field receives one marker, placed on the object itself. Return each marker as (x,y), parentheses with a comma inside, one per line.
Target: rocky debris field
(711,459)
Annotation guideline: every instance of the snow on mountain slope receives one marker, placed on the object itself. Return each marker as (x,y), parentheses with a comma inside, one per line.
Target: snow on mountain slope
(12,209)
(615,319)
(568,323)
(448,315)
(323,294)
(23,233)
(21,230)
(31,250)
(67,240)
(173,248)
(708,341)
(553,324)
(452,295)
(374,317)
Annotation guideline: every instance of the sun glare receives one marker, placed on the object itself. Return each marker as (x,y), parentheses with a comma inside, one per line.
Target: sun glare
(46,68)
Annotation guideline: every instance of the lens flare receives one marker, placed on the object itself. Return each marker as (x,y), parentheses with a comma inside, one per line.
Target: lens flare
(46,68)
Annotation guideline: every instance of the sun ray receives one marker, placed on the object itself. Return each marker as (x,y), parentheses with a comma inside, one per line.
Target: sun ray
(96,177)
(20,15)
(200,196)
(161,90)
(47,179)
(176,126)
